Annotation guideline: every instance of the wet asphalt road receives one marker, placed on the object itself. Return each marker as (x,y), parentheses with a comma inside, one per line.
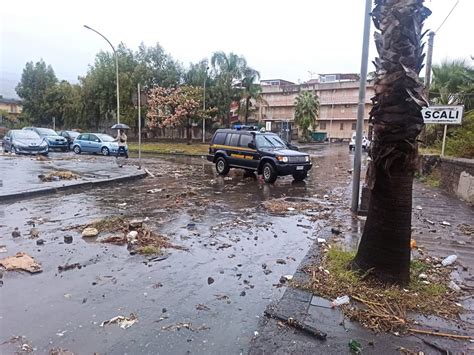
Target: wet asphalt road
(229,236)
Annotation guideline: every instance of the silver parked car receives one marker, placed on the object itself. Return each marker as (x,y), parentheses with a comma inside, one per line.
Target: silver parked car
(24,142)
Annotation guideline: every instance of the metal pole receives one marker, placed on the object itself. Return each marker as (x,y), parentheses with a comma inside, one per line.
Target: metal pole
(116,69)
(118,93)
(429,57)
(444,140)
(361,108)
(204,109)
(139,128)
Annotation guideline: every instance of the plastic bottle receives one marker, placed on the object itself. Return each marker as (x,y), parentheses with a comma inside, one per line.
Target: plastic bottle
(340,301)
(449,260)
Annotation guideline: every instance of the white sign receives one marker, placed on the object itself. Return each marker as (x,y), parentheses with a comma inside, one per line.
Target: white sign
(268,126)
(443,114)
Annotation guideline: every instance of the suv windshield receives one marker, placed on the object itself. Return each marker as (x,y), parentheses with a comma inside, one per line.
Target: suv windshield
(269,141)
(25,135)
(46,132)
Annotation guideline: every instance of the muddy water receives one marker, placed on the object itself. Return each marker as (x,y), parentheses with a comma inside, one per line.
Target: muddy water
(231,240)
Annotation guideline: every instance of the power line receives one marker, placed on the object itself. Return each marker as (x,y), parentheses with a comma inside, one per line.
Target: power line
(442,23)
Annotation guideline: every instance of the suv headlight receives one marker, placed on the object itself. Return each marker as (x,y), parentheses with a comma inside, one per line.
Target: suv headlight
(43,144)
(307,159)
(282,159)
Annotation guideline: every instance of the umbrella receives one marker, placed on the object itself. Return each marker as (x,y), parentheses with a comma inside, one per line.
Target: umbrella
(120,126)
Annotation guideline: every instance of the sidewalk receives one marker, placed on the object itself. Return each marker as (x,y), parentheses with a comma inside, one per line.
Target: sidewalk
(430,209)
(20,174)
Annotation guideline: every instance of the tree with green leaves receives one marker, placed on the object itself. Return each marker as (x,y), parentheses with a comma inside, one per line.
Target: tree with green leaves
(384,249)
(36,89)
(306,111)
(228,70)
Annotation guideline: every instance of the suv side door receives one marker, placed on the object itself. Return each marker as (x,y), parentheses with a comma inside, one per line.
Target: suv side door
(249,157)
(231,143)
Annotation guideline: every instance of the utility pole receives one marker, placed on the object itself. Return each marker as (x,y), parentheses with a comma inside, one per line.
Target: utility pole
(139,94)
(361,108)
(429,58)
(204,109)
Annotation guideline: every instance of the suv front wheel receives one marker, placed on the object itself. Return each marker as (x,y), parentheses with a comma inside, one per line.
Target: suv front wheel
(222,167)
(269,173)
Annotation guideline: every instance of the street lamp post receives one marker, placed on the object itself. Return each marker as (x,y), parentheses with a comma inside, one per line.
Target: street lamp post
(204,109)
(116,69)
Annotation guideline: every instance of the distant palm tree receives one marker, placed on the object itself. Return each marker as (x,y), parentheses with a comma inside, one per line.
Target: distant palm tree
(306,111)
(228,70)
(251,90)
(384,249)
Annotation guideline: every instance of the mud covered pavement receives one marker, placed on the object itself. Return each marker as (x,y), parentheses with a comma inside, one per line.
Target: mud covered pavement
(237,238)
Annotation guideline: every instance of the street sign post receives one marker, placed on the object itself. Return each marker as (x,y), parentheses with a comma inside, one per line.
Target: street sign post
(447,115)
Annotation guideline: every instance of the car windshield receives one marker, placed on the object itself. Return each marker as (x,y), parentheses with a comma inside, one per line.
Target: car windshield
(73,134)
(269,141)
(105,137)
(46,132)
(25,135)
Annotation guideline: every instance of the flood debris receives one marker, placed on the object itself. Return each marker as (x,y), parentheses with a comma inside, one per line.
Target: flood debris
(57,175)
(154,191)
(40,242)
(3,249)
(210,280)
(60,351)
(34,233)
(183,325)
(68,239)
(354,346)
(340,301)
(67,267)
(21,261)
(90,232)
(202,307)
(122,321)
(135,234)
(16,233)
(307,328)
(449,260)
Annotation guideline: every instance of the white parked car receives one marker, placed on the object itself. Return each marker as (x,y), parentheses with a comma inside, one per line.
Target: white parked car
(365,142)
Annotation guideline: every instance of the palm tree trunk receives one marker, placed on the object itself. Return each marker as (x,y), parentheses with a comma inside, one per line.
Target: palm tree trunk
(384,249)
(385,243)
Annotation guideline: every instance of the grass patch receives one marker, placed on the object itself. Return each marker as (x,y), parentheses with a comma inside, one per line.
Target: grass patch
(171,148)
(433,179)
(383,307)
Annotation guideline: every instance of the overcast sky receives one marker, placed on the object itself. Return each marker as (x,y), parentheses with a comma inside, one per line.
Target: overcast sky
(281,39)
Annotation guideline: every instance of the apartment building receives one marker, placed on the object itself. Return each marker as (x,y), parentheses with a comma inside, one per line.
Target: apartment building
(338,96)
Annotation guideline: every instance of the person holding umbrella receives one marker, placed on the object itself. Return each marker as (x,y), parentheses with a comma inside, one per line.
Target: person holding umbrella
(121,139)
(122,143)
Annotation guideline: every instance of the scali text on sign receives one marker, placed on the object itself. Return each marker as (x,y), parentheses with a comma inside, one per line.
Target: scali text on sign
(443,114)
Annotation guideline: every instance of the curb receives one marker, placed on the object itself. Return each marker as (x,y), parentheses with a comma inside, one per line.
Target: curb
(52,190)
(170,154)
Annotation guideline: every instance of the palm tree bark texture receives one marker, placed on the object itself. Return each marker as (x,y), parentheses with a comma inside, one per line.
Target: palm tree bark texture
(384,249)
